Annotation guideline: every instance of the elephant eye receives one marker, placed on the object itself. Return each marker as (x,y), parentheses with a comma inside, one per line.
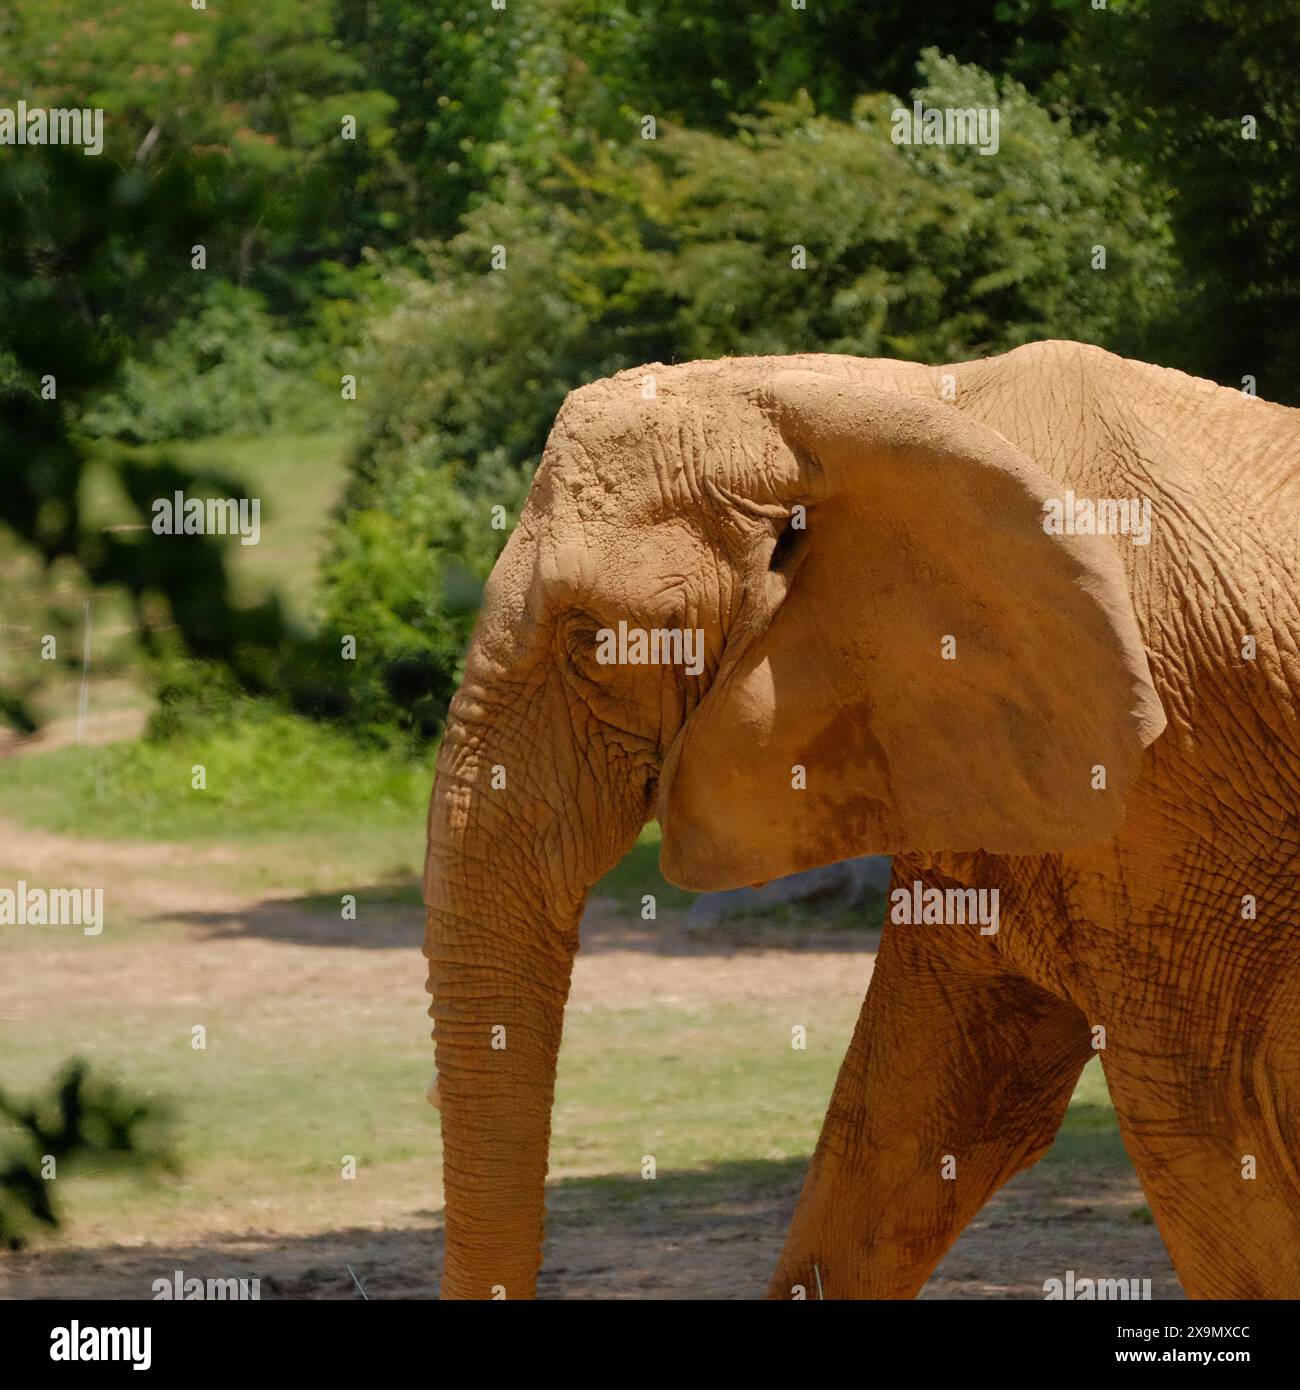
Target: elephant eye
(580,643)
(788,546)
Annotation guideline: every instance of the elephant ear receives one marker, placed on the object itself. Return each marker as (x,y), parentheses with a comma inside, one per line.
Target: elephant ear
(938,672)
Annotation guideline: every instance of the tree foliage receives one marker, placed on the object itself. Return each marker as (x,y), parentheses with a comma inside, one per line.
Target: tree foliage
(90,256)
(1207,94)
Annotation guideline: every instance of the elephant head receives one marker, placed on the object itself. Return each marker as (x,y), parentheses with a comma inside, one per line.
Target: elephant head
(893,654)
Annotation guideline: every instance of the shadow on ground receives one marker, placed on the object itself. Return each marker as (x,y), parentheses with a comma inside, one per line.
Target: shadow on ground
(391,916)
(386,919)
(713,1234)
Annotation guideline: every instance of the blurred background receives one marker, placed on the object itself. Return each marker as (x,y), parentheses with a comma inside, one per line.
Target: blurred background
(347,257)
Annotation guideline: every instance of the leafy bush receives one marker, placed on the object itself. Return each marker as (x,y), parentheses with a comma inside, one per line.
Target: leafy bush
(82,1122)
(227,370)
(682,248)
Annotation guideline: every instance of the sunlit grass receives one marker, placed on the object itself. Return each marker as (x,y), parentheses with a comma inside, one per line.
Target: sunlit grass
(266,776)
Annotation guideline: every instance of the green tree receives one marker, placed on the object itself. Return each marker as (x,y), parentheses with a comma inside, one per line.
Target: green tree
(91,252)
(1179,80)
(702,64)
(257,91)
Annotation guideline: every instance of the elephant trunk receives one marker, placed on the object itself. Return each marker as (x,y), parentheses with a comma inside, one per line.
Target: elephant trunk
(500,943)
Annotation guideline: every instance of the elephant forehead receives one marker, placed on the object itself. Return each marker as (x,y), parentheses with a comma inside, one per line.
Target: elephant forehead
(658,570)
(618,455)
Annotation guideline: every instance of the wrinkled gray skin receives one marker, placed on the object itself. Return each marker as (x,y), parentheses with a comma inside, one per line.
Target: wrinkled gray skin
(968,1046)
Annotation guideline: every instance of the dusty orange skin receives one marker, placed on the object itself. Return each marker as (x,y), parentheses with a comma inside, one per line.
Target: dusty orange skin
(925,669)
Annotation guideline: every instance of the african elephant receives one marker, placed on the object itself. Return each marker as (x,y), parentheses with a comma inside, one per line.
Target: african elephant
(910,640)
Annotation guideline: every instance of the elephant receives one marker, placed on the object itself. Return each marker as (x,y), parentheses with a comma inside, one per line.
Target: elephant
(1028,624)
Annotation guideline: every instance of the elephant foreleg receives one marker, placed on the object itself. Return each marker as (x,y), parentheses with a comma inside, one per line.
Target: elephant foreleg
(957,1077)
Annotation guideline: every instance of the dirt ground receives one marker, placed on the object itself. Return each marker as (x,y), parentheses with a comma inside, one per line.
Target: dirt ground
(717,1242)
(659,1250)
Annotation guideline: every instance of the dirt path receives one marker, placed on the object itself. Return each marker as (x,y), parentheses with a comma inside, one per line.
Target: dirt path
(603,1247)
(108,726)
